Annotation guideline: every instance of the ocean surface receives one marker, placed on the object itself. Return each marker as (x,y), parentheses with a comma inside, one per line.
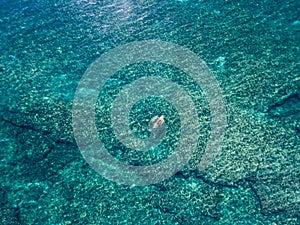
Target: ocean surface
(149,112)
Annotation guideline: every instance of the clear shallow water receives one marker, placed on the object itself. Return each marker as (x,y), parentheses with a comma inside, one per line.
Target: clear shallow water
(252,50)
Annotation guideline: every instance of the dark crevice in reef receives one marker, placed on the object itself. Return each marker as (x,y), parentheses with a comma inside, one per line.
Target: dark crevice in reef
(46,133)
(27,127)
(287,107)
(50,155)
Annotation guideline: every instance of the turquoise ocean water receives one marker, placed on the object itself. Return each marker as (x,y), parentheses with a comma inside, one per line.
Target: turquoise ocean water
(251,48)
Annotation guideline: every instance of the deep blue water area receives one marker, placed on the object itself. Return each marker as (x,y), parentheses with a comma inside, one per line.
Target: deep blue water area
(237,108)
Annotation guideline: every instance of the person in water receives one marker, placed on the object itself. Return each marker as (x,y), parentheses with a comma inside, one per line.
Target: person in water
(158,121)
